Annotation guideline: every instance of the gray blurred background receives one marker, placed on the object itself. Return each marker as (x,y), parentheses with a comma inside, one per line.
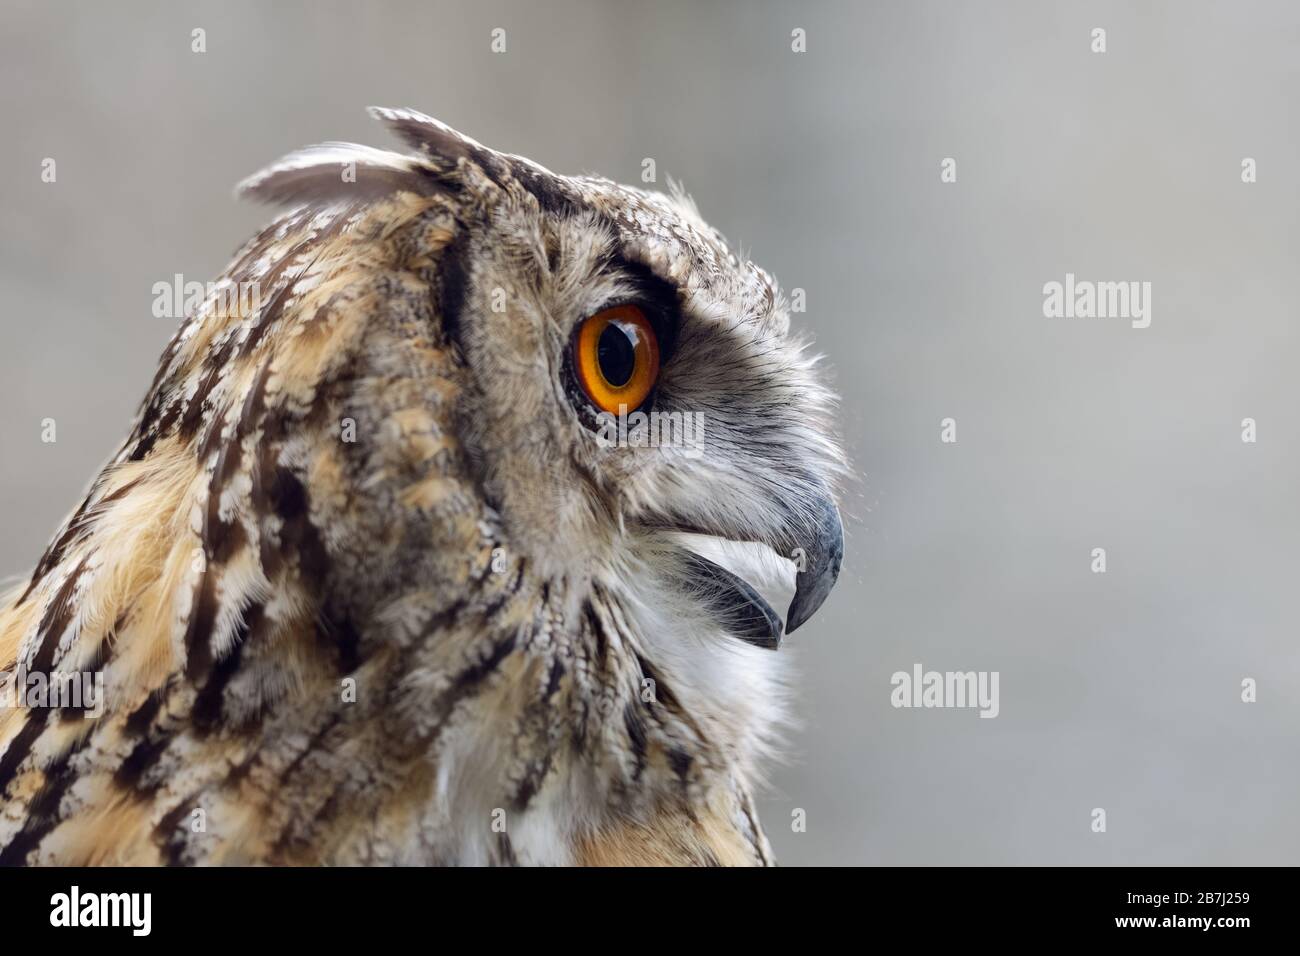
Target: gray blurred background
(1119,691)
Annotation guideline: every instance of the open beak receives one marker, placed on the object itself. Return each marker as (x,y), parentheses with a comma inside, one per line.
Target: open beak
(817,553)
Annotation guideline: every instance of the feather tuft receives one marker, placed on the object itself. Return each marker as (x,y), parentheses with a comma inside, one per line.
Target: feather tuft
(338,172)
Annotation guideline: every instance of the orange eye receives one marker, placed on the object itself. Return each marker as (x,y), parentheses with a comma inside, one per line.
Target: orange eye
(616,355)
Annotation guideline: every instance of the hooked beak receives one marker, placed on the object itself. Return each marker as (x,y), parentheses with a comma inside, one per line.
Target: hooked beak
(817,551)
(819,568)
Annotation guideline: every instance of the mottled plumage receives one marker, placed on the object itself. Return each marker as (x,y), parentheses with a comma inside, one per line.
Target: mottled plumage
(364,587)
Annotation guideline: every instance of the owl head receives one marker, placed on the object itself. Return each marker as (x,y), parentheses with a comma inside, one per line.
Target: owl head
(627,379)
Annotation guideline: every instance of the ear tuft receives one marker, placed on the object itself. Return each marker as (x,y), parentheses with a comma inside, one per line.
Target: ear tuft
(443,146)
(337,172)
(428,135)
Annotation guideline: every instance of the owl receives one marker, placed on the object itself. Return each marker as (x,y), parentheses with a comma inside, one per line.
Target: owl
(412,554)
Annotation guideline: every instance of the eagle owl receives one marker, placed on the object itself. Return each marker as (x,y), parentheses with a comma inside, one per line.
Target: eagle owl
(374,579)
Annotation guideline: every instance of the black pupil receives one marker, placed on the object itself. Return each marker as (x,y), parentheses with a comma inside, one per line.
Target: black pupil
(616,353)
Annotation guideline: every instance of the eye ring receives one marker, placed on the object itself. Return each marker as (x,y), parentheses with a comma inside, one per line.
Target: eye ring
(616,356)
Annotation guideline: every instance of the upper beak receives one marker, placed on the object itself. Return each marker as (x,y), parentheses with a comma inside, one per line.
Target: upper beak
(819,565)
